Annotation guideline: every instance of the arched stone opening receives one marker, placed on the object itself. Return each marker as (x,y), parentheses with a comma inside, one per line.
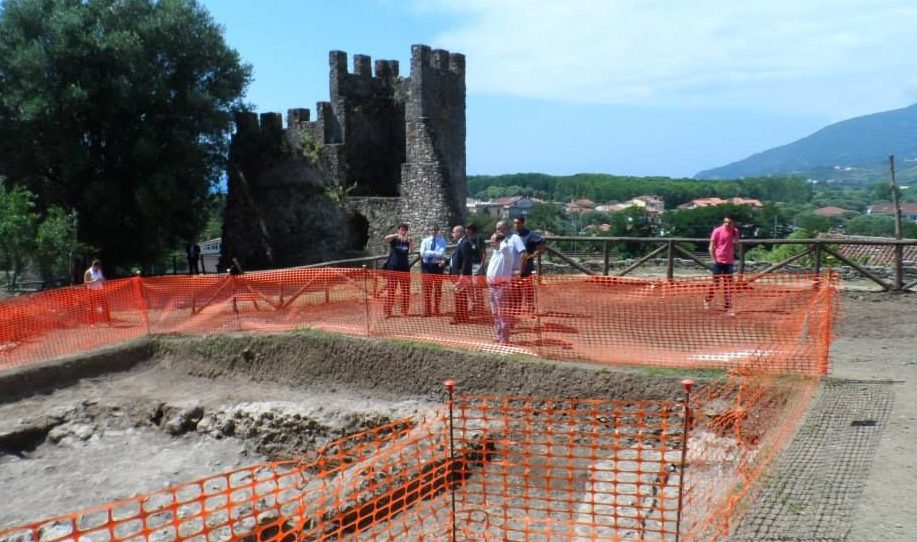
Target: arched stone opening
(357,233)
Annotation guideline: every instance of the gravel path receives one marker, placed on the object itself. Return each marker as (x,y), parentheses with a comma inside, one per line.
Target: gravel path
(849,474)
(814,489)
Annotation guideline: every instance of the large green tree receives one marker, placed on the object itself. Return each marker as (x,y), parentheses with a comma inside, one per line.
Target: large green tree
(119,110)
(699,222)
(17,230)
(25,237)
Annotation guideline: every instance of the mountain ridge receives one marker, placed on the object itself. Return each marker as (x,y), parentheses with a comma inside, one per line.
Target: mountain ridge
(852,150)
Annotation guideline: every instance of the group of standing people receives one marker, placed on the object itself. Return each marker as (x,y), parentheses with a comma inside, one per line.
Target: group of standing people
(511,289)
(507,273)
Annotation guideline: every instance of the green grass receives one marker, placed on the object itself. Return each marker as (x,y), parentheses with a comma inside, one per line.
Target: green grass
(671,372)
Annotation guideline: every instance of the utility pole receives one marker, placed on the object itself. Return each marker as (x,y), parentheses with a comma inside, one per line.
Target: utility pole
(899,249)
(895,202)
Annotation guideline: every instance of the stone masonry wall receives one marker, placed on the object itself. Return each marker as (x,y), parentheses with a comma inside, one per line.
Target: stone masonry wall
(393,145)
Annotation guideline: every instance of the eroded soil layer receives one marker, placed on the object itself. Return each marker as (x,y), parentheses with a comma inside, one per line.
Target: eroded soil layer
(88,430)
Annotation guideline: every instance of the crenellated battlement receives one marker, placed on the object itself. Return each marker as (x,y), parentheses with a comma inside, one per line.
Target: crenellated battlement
(387,69)
(424,59)
(365,77)
(380,135)
(271,123)
(365,73)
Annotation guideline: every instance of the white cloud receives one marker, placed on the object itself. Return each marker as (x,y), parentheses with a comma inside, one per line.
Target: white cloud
(835,58)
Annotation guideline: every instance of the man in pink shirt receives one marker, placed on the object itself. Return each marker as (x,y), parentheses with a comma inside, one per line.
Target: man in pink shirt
(722,250)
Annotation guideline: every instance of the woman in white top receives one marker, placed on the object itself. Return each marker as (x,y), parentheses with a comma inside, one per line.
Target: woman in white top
(94,280)
(93,277)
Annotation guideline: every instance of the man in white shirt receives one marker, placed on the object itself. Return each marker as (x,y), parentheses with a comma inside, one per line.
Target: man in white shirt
(432,265)
(499,279)
(519,256)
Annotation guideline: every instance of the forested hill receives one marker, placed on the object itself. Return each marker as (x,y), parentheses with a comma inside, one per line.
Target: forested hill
(603,188)
(855,150)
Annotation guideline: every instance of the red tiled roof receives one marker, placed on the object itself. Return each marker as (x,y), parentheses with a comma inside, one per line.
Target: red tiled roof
(889,208)
(712,202)
(871,254)
(832,211)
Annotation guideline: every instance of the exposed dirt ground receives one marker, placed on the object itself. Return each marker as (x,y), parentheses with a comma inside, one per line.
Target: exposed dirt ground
(166,422)
(127,433)
(204,405)
(877,341)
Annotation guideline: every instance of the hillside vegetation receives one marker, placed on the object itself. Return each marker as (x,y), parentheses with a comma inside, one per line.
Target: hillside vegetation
(601,188)
(854,151)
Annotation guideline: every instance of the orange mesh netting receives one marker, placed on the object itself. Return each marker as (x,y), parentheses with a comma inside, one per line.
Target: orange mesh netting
(739,425)
(352,486)
(781,323)
(487,468)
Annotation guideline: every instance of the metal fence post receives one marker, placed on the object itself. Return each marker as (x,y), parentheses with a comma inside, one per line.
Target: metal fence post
(450,389)
(366,296)
(688,384)
(741,258)
(670,260)
(605,256)
(818,253)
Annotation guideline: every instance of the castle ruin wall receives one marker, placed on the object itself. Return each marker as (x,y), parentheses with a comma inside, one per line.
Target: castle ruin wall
(395,145)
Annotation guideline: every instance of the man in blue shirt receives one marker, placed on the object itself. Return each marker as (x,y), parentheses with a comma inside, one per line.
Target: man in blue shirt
(432,264)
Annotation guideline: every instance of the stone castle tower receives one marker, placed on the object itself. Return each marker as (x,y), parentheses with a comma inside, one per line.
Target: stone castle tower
(385,149)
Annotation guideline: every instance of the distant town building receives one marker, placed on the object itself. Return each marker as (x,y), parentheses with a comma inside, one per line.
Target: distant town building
(584,205)
(831,211)
(653,205)
(612,207)
(210,254)
(908,210)
(714,202)
(594,228)
(503,207)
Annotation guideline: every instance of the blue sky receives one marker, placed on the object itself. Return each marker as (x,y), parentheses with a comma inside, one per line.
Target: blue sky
(628,87)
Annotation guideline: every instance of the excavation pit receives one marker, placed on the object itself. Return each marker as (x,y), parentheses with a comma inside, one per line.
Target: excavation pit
(89,430)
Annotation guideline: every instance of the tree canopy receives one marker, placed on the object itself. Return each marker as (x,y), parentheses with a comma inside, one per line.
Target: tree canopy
(604,188)
(119,110)
(25,237)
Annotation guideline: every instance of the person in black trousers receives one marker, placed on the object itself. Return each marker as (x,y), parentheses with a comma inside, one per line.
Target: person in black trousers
(398,267)
(460,267)
(194,257)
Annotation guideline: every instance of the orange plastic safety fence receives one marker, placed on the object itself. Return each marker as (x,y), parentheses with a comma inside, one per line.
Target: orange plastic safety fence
(379,484)
(487,468)
(740,424)
(568,469)
(69,320)
(241,505)
(778,323)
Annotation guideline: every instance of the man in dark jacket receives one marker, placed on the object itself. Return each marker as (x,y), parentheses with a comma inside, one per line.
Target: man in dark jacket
(478,284)
(460,267)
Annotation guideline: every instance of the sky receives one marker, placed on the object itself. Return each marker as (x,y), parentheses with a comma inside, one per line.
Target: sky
(625,87)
